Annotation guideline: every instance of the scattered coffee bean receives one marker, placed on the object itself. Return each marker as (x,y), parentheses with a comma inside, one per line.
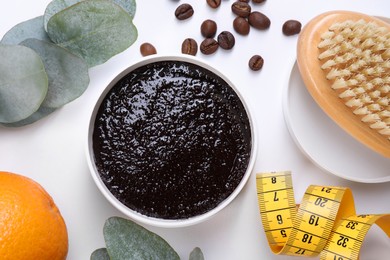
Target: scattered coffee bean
(259,20)
(147,49)
(241,9)
(208,46)
(184,11)
(189,46)
(208,28)
(256,62)
(291,27)
(241,25)
(214,3)
(226,40)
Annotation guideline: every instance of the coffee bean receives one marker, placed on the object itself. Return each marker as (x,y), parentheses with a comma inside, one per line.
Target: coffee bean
(208,46)
(259,20)
(258,1)
(208,28)
(241,9)
(214,3)
(189,46)
(256,62)
(291,27)
(184,11)
(241,25)
(226,40)
(147,49)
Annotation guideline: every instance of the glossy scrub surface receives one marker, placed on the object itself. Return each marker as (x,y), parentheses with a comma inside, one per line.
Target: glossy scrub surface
(171,140)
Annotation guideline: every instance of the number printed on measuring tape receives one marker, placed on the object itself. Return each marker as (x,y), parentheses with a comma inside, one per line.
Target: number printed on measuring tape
(325,223)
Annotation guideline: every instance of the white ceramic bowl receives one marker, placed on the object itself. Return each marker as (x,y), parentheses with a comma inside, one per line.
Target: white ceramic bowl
(158,221)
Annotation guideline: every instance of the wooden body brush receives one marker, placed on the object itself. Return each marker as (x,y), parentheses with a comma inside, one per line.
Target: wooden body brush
(344,61)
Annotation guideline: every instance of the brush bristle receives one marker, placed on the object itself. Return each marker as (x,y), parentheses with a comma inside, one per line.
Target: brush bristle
(355,56)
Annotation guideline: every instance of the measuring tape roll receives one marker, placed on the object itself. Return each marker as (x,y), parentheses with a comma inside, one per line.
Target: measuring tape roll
(325,223)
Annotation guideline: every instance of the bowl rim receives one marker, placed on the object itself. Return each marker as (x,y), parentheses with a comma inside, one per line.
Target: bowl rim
(159,222)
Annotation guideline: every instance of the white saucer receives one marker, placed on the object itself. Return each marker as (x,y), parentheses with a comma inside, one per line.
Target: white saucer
(324,142)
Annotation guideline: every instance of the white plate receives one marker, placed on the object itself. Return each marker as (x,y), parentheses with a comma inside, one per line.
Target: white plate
(324,142)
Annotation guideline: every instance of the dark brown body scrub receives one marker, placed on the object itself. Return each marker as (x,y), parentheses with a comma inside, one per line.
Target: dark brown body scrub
(171,140)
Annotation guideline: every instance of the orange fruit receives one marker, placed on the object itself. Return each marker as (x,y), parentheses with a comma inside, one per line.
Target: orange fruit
(31,226)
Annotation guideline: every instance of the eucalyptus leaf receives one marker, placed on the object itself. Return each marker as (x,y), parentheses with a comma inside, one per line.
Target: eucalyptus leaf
(100,254)
(39,114)
(67,73)
(196,254)
(23,83)
(95,30)
(54,7)
(57,6)
(129,6)
(32,28)
(128,240)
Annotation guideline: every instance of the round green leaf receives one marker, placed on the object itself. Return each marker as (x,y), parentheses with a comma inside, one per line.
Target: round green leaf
(39,114)
(128,240)
(100,254)
(23,83)
(95,30)
(129,6)
(67,73)
(32,28)
(56,6)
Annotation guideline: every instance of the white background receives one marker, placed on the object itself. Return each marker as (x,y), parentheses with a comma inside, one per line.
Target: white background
(53,150)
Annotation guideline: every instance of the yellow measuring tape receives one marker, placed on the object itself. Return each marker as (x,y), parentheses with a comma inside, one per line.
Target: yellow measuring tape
(325,223)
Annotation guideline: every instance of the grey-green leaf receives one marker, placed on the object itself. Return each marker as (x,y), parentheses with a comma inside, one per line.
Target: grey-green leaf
(95,30)
(129,6)
(32,28)
(128,240)
(67,73)
(56,6)
(23,83)
(39,114)
(196,254)
(100,254)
